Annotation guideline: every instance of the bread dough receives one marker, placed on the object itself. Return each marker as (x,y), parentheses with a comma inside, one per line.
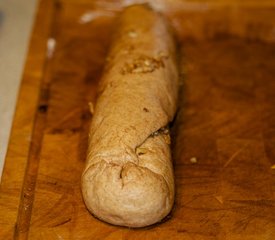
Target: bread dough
(128,179)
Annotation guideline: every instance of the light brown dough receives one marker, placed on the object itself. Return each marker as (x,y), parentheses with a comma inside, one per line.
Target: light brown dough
(128,179)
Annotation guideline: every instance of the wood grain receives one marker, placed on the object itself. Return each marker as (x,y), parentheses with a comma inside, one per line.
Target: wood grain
(226,121)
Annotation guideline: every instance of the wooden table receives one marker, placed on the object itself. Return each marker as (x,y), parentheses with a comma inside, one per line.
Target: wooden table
(223,134)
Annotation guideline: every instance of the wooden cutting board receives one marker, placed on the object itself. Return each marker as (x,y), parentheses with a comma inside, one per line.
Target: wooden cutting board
(223,135)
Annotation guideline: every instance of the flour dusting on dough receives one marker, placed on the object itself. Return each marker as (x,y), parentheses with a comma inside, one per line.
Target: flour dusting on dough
(92,15)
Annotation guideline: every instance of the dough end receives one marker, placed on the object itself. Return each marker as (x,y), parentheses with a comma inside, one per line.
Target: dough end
(126,195)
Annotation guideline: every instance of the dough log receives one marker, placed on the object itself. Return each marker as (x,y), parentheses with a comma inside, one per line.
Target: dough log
(128,179)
